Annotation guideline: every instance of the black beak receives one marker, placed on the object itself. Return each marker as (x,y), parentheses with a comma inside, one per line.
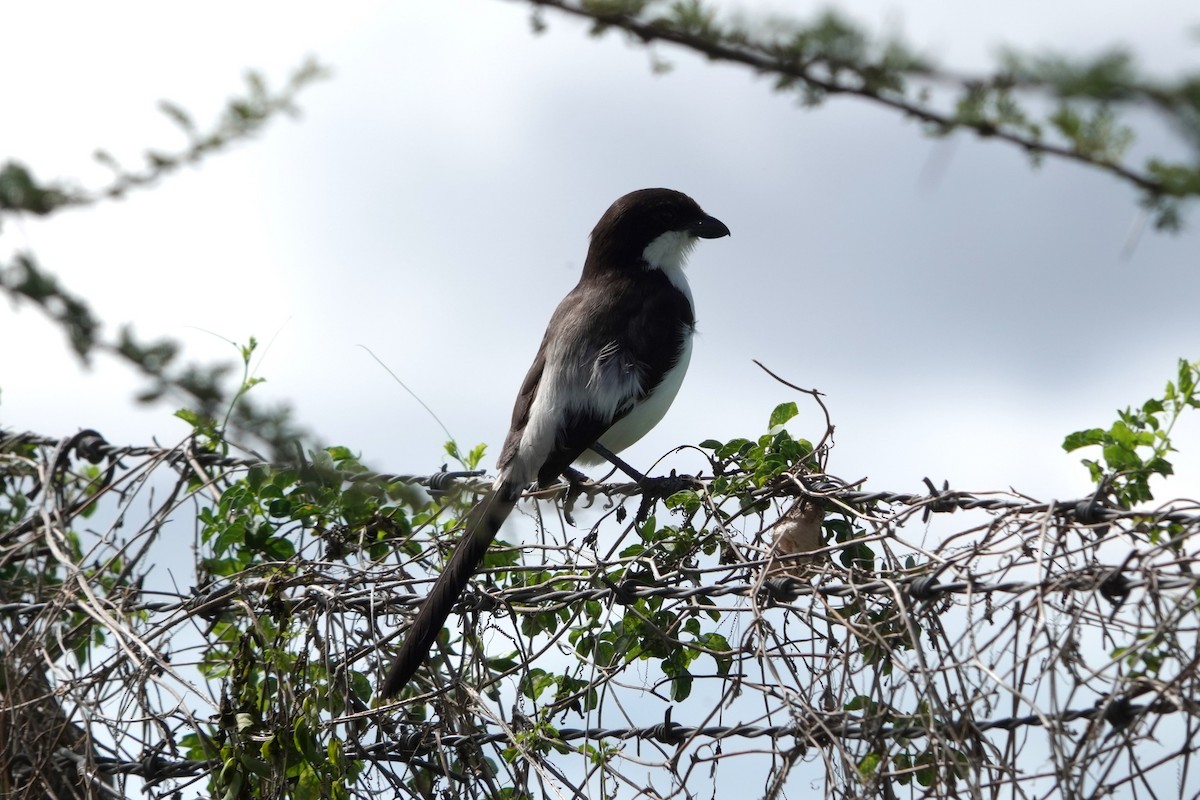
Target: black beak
(708,228)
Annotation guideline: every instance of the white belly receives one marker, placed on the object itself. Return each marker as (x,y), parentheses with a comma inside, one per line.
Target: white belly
(646,414)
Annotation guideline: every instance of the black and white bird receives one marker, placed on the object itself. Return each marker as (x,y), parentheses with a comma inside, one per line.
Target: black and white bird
(611,362)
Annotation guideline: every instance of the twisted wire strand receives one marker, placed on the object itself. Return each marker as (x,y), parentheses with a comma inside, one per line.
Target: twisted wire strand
(427,740)
(92,446)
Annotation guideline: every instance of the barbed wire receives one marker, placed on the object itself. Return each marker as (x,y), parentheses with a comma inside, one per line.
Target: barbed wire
(91,446)
(869,646)
(773,590)
(669,733)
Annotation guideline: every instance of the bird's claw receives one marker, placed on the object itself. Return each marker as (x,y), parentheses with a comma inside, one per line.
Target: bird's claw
(655,489)
(576,480)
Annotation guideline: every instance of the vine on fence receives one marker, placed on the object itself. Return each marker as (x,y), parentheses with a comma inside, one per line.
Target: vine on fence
(777,626)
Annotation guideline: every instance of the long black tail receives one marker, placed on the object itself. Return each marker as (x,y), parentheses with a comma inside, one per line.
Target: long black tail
(482,526)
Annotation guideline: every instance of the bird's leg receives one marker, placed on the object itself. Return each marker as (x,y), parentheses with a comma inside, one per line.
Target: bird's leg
(652,488)
(618,462)
(575,477)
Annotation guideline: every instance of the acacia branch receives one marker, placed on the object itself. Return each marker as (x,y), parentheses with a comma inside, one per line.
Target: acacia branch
(832,57)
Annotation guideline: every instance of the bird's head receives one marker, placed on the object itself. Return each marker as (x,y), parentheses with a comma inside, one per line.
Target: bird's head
(651,228)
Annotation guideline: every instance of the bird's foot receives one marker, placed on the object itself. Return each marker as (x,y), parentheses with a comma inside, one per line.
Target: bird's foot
(576,480)
(655,489)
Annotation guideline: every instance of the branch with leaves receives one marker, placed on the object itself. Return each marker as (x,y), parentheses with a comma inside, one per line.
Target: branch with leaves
(830,56)
(242,118)
(205,388)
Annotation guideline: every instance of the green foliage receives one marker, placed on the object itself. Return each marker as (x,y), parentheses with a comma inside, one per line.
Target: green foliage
(469,460)
(649,628)
(781,414)
(742,464)
(744,469)
(1094,133)
(23,279)
(855,554)
(269,740)
(1146,656)
(577,694)
(1134,448)
(1108,76)
(931,764)
(19,191)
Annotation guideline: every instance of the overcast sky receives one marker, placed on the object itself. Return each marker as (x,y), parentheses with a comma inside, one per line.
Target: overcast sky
(960,310)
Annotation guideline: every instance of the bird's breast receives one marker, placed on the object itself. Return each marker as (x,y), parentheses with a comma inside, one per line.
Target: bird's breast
(649,411)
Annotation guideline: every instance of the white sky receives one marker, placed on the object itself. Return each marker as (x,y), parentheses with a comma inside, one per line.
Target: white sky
(433,204)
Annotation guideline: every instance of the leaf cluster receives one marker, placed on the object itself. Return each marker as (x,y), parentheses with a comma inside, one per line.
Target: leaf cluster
(1133,449)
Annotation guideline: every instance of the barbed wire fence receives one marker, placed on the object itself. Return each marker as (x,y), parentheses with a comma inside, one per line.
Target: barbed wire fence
(179,622)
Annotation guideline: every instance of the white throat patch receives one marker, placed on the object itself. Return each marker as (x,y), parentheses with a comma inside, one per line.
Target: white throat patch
(669,253)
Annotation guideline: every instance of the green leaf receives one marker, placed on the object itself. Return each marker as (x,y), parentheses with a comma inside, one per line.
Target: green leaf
(869,765)
(723,654)
(537,681)
(734,447)
(1080,439)
(782,413)
(279,548)
(1122,435)
(476,456)
(859,702)
(681,687)
(1121,457)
